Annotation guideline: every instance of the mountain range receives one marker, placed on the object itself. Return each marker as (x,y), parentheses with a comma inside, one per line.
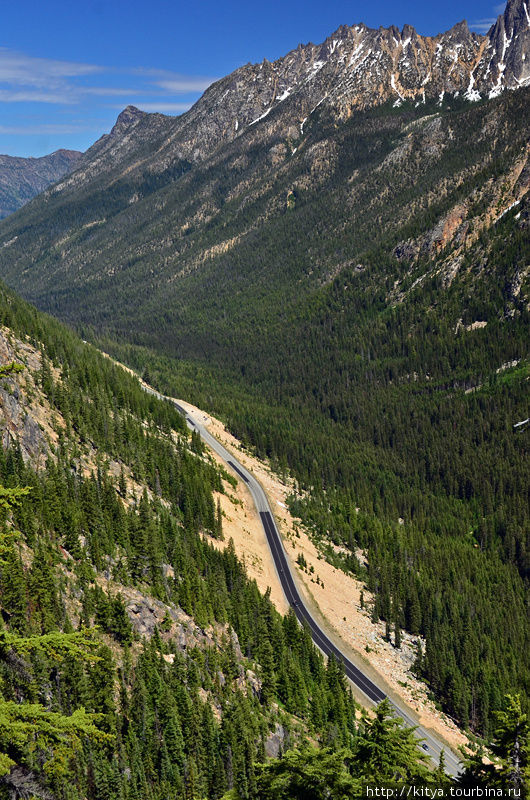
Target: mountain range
(354,68)
(278,122)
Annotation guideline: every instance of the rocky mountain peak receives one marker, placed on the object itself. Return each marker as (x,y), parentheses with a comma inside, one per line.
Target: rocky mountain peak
(459,32)
(408,32)
(127,119)
(506,60)
(516,16)
(355,68)
(23,178)
(63,152)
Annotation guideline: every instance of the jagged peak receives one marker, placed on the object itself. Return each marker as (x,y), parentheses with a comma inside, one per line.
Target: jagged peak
(408,31)
(516,7)
(509,47)
(516,13)
(62,151)
(343,30)
(459,31)
(127,119)
(394,30)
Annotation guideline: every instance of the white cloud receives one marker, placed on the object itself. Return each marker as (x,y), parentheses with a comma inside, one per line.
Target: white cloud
(184,85)
(40,130)
(110,91)
(19,69)
(35,96)
(28,79)
(55,99)
(175,82)
(164,108)
(483,25)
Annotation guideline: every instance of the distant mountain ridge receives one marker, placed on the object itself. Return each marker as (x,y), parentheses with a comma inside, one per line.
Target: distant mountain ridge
(355,68)
(358,67)
(159,196)
(23,178)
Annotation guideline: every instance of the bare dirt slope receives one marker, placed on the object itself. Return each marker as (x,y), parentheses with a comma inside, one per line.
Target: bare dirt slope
(335,599)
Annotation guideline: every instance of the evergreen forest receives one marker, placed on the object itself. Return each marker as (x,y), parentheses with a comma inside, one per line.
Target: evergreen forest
(91,709)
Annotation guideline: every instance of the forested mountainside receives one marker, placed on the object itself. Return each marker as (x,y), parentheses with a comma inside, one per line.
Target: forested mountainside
(107,509)
(23,178)
(345,281)
(137,661)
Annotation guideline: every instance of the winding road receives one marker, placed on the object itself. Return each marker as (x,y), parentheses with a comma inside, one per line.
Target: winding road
(430,743)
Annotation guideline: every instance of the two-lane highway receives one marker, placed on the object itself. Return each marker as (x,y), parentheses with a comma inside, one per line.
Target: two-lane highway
(294,599)
(373,693)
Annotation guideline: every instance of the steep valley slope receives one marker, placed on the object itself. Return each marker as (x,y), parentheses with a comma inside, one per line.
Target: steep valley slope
(340,600)
(128,642)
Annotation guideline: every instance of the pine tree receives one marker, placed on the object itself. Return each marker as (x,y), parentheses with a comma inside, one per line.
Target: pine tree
(386,751)
(219,521)
(268,673)
(511,744)
(397,635)
(25,725)
(308,774)
(13,591)
(511,748)
(442,780)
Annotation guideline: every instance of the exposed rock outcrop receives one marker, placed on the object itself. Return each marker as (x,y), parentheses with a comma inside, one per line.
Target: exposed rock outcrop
(22,420)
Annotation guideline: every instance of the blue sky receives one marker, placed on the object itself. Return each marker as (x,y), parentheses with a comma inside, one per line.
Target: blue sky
(68,68)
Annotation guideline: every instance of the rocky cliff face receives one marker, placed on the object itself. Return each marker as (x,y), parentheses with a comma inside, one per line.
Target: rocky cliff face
(358,67)
(355,68)
(506,59)
(25,415)
(23,178)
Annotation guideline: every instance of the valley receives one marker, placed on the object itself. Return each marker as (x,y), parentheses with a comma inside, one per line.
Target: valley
(334,599)
(327,255)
